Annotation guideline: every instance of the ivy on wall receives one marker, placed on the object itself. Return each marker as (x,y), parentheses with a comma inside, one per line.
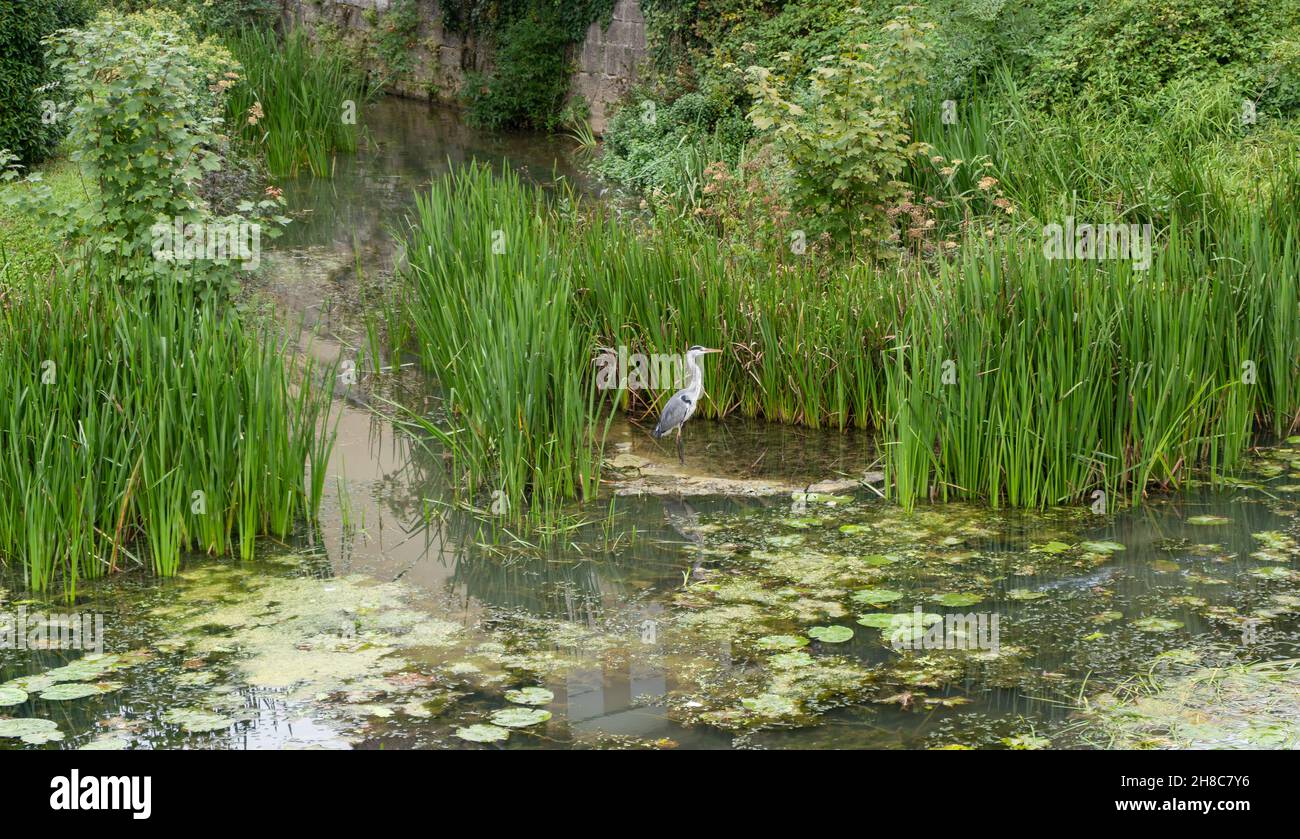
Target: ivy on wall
(493,17)
(398,31)
(533,42)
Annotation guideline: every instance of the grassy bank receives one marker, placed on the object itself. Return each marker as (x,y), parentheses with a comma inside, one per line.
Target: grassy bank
(26,247)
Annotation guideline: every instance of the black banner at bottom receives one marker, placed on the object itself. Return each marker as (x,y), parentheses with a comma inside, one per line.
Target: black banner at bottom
(139,789)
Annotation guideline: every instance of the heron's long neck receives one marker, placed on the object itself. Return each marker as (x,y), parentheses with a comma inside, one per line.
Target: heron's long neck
(696,386)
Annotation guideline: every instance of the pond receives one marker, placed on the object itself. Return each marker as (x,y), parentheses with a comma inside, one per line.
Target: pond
(762,595)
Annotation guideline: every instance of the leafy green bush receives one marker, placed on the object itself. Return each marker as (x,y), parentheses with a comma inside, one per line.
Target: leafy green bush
(531,78)
(144,127)
(28,125)
(1125,49)
(1280,79)
(208,17)
(846,136)
(663,149)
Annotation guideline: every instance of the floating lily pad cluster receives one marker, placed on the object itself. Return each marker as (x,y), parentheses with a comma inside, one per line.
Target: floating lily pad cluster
(506,719)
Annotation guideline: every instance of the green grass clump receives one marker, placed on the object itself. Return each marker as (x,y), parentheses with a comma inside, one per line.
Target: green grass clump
(136,427)
(1065,377)
(301,92)
(26,246)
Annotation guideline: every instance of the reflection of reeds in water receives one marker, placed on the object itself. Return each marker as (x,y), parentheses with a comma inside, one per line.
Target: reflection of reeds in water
(575,579)
(138,426)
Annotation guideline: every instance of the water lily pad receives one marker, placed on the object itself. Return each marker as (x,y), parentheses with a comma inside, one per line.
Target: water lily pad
(31,730)
(530,696)
(106,743)
(197,722)
(1102,547)
(1276,541)
(482,733)
(30,684)
(85,669)
(1051,548)
(855,528)
(1157,624)
(1107,617)
(69,690)
(519,717)
(1272,572)
(781,642)
(958,598)
(1209,521)
(876,596)
(885,620)
(1025,594)
(803,522)
(12,696)
(831,634)
(790,661)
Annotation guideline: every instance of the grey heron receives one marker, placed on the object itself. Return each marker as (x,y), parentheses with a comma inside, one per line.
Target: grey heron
(684,402)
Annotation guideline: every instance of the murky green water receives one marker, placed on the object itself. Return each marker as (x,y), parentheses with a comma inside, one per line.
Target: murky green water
(699,620)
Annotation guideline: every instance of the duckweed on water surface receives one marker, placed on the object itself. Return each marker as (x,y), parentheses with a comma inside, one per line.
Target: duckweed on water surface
(1245,706)
(827,638)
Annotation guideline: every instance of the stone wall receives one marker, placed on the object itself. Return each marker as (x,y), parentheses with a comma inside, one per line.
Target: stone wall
(605,62)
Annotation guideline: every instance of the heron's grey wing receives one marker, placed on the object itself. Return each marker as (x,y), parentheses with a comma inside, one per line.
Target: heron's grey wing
(674,414)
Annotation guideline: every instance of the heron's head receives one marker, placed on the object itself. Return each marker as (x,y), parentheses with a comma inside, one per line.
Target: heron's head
(697,351)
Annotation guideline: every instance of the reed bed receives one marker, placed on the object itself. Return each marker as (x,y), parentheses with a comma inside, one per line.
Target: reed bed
(293,102)
(1064,378)
(491,308)
(1000,374)
(136,427)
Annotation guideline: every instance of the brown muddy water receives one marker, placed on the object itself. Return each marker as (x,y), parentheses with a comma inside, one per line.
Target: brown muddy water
(732,615)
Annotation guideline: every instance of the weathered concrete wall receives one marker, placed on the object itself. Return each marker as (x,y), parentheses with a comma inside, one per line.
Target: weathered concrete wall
(605,62)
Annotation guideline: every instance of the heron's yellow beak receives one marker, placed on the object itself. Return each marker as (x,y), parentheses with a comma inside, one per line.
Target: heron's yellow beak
(712,351)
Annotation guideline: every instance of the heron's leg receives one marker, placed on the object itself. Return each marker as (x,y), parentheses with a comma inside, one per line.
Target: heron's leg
(681,453)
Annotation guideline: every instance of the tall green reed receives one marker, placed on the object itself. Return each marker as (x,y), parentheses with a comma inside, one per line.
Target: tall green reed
(309,100)
(141,425)
(1029,381)
(490,305)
